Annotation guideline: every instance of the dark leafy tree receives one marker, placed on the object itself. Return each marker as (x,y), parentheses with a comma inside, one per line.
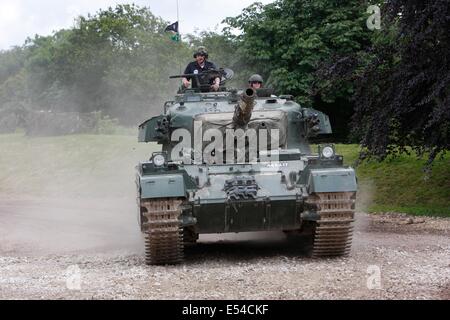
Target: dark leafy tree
(403,81)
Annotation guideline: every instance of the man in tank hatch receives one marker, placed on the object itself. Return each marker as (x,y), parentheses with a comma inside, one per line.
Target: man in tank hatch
(200,66)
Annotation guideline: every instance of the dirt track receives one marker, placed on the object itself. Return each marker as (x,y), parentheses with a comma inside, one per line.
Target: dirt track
(100,244)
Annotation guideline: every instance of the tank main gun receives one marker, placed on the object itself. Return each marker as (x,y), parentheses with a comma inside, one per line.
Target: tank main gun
(244,109)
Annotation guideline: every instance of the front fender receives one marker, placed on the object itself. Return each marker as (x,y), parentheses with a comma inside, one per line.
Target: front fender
(332,180)
(162,186)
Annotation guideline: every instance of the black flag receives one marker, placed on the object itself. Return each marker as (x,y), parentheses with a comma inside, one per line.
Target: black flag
(172,27)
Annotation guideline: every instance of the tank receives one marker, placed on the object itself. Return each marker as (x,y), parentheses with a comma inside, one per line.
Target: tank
(241,161)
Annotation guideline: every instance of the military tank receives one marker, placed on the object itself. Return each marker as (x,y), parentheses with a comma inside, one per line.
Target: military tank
(241,161)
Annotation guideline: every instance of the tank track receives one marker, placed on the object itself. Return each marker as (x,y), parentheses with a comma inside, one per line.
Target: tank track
(334,230)
(163,231)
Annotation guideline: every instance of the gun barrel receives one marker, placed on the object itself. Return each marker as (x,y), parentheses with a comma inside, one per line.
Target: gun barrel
(244,109)
(183,76)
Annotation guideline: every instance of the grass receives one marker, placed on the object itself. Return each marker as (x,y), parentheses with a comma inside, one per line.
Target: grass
(400,184)
(103,165)
(70,166)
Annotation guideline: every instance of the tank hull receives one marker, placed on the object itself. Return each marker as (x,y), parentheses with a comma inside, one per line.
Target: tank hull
(274,196)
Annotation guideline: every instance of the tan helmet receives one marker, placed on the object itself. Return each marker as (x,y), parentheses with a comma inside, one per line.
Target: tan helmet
(256,78)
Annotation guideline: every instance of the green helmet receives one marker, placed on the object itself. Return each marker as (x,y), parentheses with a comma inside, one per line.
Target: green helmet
(201,51)
(256,78)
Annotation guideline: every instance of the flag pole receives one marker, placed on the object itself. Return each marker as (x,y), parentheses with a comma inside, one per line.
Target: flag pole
(178,20)
(178,16)
(179,33)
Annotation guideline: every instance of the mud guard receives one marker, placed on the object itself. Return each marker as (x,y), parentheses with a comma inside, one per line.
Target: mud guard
(332,180)
(162,186)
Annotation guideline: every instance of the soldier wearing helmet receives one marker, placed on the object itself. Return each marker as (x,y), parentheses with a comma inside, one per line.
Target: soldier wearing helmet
(256,81)
(201,64)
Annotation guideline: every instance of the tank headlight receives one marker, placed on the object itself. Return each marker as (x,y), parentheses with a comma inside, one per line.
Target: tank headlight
(328,152)
(159,160)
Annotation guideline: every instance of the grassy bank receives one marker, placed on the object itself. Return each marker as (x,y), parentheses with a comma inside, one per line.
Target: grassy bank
(400,185)
(103,165)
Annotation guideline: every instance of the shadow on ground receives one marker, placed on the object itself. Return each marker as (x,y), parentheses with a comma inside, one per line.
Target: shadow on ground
(247,247)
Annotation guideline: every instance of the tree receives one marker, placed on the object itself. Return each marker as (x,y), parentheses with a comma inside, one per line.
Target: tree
(117,61)
(12,77)
(403,81)
(288,40)
(11,63)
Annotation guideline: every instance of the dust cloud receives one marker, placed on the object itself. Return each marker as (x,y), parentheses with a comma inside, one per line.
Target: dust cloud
(364,198)
(77,194)
(65,189)
(70,194)
(62,226)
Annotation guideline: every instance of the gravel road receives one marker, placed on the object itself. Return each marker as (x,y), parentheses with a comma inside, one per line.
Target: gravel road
(73,249)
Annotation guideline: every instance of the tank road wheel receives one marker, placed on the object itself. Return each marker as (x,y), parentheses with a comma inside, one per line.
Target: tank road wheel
(334,231)
(163,231)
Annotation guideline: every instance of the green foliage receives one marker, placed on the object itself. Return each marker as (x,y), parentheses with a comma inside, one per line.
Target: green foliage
(11,63)
(402,82)
(13,89)
(117,61)
(287,41)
